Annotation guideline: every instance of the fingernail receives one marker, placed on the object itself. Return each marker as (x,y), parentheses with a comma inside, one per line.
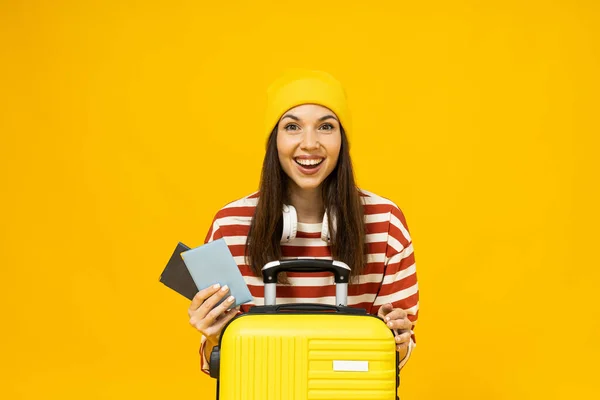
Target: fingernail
(387,318)
(216,286)
(390,324)
(224,288)
(230,299)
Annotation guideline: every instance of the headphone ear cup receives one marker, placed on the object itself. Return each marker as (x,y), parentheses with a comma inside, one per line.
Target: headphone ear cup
(325,236)
(290,224)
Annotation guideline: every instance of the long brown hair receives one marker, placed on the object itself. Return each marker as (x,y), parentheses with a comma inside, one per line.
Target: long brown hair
(342,201)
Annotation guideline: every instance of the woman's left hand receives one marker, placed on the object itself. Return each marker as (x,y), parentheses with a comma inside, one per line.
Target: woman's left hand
(397,319)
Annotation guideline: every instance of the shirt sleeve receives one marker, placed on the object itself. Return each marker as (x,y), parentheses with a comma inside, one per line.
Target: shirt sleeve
(214,233)
(399,286)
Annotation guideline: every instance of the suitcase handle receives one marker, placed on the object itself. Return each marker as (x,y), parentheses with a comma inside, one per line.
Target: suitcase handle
(340,270)
(306,307)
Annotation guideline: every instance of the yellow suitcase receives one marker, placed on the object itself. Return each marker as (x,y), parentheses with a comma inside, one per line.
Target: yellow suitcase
(306,351)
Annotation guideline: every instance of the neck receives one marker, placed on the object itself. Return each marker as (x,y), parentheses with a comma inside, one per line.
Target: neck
(308,204)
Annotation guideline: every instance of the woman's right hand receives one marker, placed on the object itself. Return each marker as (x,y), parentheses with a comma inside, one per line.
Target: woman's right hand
(208,319)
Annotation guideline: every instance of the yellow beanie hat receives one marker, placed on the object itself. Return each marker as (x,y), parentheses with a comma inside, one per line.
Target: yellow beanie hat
(300,86)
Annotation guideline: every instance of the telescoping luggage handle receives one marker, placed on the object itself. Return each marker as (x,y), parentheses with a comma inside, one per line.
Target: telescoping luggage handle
(340,270)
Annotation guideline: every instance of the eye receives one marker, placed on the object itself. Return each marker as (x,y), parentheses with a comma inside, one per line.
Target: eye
(291,127)
(327,127)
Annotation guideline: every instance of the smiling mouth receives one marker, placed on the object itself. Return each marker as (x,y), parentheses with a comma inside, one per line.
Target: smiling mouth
(309,162)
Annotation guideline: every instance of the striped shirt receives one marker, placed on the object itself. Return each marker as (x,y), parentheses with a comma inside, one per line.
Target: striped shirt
(389,275)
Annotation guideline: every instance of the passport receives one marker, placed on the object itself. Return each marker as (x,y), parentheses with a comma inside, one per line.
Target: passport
(176,275)
(213,263)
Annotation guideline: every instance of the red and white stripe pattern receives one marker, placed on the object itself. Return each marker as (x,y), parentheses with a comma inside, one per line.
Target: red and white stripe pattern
(389,275)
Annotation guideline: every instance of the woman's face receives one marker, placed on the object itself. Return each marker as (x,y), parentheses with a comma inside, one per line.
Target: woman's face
(308,144)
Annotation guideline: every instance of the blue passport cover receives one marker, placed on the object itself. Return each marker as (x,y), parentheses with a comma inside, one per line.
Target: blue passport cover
(213,263)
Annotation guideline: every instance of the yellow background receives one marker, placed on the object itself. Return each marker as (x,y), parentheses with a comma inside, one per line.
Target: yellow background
(126,125)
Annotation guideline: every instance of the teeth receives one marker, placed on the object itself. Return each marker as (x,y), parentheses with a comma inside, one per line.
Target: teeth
(311,161)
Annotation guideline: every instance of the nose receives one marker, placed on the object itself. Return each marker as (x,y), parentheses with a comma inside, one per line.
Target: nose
(310,140)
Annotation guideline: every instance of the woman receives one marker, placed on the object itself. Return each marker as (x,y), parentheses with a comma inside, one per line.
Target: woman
(307,171)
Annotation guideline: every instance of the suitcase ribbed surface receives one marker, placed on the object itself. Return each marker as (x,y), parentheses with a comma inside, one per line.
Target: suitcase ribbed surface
(291,357)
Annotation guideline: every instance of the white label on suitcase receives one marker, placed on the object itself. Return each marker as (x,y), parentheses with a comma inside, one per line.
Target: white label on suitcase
(345,365)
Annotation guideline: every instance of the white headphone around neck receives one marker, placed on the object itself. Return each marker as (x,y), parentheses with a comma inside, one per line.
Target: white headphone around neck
(290,225)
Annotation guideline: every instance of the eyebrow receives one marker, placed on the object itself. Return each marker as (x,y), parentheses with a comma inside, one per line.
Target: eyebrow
(323,118)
